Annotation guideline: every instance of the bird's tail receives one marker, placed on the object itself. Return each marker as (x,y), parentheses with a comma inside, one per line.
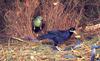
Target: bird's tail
(31,39)
(41,37)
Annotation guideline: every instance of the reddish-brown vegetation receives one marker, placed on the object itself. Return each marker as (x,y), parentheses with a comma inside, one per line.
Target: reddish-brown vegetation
(16,15)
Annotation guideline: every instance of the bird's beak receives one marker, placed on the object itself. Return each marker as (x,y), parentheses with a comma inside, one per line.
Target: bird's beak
(75,32)
(77,36)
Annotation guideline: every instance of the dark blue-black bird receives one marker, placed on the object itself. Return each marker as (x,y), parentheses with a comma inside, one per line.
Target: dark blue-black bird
(58,36)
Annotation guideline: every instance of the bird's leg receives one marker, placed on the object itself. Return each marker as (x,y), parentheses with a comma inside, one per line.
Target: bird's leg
(58,48)
(62,46)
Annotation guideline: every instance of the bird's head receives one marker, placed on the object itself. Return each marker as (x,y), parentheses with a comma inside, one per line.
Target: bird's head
(73,30)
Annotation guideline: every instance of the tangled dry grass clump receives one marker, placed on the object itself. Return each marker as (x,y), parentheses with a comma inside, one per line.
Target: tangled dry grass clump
(16,16)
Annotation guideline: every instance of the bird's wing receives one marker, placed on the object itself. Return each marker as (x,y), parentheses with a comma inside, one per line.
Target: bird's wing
(61,35)
(50,35)
(64,34)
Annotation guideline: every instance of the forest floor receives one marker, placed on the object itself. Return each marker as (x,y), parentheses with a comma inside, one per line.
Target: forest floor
(30,51)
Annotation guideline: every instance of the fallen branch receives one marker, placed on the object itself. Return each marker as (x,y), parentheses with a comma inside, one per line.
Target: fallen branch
(93,27)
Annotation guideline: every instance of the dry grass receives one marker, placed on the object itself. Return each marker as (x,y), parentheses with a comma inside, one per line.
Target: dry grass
(29,51)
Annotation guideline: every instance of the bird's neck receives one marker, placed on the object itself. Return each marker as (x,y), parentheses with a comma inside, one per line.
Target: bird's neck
(70,32)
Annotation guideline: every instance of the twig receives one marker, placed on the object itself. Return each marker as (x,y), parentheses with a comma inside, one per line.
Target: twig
(19,39)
